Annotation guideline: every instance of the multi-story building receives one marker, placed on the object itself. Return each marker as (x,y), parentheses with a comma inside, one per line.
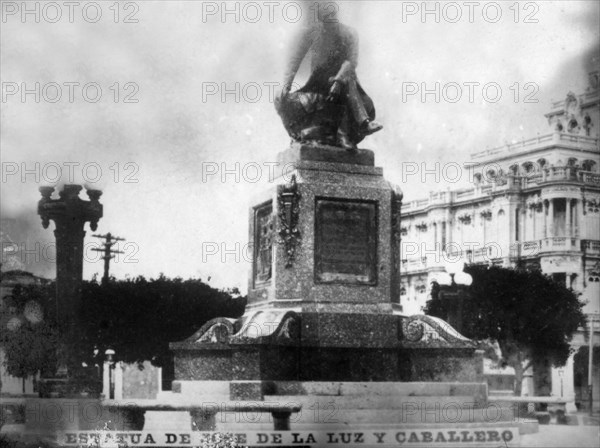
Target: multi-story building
(535,203)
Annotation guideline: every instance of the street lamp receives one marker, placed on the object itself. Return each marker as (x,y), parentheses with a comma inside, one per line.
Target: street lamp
(457,275)
(443,279)
(453,283)
(110,358)
(561,373)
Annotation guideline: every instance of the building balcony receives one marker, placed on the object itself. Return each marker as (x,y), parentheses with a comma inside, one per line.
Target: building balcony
(558,174)
(502,184)
(437,261)
(562,139)
(560,243)
(525,249)
(553,244)
(590,247)
(414,264)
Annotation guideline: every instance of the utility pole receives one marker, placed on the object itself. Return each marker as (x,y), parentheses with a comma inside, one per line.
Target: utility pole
(591,366)
(108,252)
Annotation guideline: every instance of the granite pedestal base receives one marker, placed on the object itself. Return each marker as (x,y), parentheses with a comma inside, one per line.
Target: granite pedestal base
(280,345)
(324,286)
(323,318)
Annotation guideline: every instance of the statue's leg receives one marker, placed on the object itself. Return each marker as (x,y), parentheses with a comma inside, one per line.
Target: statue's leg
(344,133)
(364,123)
(355,103)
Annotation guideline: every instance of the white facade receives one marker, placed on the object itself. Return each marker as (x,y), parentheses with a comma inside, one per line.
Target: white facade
(535,203)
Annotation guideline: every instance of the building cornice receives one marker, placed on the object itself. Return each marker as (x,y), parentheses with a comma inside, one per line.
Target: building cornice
(553,141)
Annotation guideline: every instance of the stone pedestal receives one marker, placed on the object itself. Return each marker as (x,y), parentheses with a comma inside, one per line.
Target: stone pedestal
(323,235)
(324,285)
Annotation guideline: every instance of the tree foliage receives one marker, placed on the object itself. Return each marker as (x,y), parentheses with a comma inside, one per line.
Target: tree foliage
(137,318)
(531,316)
(30,345)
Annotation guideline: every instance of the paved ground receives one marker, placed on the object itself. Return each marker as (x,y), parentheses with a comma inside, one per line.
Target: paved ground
(555,436)
(584,434)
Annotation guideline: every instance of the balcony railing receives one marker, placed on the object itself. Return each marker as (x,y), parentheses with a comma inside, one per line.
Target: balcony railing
(414,264)
(591,247)
(552,244)
(488,254)
(560,243)
(438,259)
(581,141)
(559,173)
(551,174)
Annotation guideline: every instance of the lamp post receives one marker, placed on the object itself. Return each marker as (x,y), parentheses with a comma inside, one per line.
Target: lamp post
(110,359)
(591,367)
(69,213)
(561,373)
(453,284)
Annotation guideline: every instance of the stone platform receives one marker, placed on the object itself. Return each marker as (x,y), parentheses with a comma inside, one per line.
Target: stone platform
(323,326)
(324,288)
(368,406)
(282,345)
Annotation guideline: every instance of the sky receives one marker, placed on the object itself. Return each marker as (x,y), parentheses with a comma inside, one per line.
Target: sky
(142,116)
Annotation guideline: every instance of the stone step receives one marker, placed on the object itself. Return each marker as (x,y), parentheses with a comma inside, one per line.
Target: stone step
(375,388)
(525,426)
(201,387)
(321,415)
(367,416)
(175,398)
(336,388)
(446,403)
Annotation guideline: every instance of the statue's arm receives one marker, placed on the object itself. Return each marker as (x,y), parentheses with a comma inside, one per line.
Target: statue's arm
(300,47)
(348,67)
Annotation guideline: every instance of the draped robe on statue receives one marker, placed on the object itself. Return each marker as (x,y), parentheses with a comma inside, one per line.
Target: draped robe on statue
(306,113)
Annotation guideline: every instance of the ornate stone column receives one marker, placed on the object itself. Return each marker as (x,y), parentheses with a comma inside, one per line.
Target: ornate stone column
(438,236)
(568,218)
(576,218)
(546,211)
(69,214)
(550,218)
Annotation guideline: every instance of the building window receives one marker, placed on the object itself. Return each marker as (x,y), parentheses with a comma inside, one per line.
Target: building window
(528,168)
(588,165)
(573,126)
(443,235)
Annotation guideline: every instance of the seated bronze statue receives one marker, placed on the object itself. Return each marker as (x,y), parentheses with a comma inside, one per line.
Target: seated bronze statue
(332,108)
